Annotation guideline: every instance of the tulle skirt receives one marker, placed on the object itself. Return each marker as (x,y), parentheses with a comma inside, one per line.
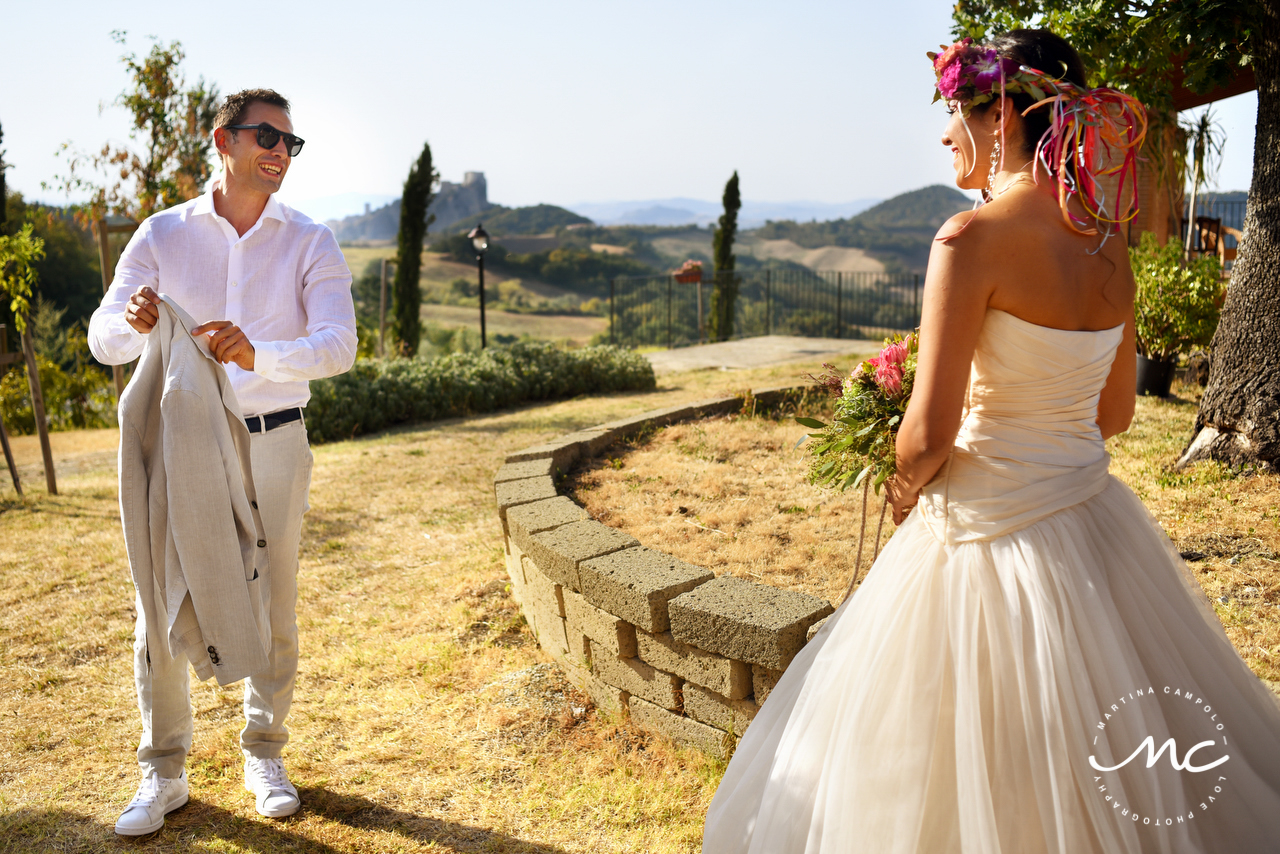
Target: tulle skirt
(983,698)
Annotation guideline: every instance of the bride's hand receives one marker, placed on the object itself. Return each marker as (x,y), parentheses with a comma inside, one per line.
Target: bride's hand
(899,500)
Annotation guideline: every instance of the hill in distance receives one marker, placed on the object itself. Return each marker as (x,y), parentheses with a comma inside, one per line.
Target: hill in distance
(534,219)
(898,231)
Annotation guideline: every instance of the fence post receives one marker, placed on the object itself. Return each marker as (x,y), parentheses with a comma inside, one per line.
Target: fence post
(612,340)
(37,408)
(839,306)
(768,302)
(670,280)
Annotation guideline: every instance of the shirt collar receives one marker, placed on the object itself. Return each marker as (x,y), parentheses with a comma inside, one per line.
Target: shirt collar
(204,204)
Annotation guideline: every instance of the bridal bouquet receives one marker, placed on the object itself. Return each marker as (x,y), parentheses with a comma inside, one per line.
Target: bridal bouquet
(860,442)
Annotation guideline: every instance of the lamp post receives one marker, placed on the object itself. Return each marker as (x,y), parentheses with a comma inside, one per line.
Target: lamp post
(479,243)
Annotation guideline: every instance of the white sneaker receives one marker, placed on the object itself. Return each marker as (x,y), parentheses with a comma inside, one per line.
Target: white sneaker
(157,797)
(266,779)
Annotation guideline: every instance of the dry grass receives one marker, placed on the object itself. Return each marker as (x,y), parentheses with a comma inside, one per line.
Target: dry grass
(729,494)
(425,719)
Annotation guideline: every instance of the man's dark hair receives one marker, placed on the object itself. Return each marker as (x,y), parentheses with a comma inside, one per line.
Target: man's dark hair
(235,106)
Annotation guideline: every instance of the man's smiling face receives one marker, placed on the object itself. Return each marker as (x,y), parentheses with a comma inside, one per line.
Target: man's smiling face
(247,162)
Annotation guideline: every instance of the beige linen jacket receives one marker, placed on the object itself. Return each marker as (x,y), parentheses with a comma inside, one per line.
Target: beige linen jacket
(187,502)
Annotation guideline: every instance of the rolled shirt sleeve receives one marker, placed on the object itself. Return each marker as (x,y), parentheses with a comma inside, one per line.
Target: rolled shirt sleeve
(112,341)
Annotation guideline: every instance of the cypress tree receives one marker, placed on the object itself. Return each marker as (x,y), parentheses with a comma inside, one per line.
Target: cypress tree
(406,293)
(725,292)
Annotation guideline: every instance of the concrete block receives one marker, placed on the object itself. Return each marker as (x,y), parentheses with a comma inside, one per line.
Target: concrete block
(548,626)
(563,451)
(558,552)
(636,584)
(639,679)
(719,711)
(525,520)
(539,586)
(773,395)
(541,467)
(744,621)
(609,634)
(515,571)
(763,681)
(579,646)
(516,492)
(722,675)
(716,406)
(680,729)
(605,696)
(815,628)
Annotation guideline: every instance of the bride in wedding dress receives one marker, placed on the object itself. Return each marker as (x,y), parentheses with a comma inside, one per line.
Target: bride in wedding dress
(1028,668)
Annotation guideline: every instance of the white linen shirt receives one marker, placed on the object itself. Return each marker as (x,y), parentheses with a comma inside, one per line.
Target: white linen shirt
(284,283)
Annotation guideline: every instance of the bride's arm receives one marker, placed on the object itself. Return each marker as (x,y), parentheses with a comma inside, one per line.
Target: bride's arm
(955,303)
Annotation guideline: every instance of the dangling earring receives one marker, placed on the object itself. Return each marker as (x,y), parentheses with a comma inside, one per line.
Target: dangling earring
(990,192)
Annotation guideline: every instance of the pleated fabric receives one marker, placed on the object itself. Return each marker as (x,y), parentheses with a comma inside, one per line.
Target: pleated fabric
(1008,633)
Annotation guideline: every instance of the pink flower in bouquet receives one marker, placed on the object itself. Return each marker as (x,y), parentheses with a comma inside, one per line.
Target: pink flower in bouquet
(896,353)
(889,376)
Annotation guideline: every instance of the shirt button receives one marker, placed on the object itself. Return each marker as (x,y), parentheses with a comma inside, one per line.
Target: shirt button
(262,544)
(235,284)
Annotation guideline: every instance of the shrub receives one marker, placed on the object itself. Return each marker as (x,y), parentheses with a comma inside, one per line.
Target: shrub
(376,394)
(73,399)
(1176,307)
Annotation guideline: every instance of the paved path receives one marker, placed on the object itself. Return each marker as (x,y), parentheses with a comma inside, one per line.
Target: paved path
(757,353)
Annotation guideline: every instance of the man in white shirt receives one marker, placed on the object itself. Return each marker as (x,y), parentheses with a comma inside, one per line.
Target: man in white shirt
(272,292)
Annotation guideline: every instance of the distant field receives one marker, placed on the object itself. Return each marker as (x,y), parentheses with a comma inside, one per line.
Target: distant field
(573,328)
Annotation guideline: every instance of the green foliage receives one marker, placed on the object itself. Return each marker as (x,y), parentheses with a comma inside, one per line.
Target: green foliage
(1177,306)
(1131,44)
(68,274)
(18,256)
(77,393)
(898,231)
(725,291)
(407,296)
(377,394)
(580,270)
(535,219)
(173,125)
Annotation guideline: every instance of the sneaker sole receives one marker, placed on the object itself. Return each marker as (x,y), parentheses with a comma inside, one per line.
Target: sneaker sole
(285,813)
(158,825)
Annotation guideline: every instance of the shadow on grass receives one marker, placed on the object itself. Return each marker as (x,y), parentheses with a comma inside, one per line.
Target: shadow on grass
(200,824)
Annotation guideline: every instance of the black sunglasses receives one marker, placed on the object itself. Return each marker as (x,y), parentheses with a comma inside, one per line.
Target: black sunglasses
(269,136)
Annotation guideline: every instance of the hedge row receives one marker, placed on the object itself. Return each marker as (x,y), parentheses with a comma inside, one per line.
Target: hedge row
(377,394)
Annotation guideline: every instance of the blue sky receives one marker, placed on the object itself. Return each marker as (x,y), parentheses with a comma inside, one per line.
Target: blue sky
(558,102)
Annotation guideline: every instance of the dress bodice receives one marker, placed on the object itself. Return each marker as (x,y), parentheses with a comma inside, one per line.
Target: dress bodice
(1029,444)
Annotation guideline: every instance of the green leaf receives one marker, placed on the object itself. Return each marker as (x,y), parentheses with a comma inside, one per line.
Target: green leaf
(811,423)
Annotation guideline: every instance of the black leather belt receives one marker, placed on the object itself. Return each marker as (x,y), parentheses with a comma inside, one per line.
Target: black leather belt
(272,420)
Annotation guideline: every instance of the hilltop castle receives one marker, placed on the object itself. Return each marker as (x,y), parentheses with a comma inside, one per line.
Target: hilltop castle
(451,204)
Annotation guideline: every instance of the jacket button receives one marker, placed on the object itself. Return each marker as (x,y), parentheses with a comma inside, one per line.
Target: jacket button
(213,655)
(262,544)
(253,504)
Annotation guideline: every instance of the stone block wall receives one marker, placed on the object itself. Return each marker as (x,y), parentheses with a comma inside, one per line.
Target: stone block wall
(685,653)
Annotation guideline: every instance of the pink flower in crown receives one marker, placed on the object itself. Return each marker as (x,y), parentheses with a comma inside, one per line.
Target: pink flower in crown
(986,71)
(942,60)
(951,80)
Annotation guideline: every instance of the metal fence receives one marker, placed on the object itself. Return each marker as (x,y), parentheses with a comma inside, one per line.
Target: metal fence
(647,311)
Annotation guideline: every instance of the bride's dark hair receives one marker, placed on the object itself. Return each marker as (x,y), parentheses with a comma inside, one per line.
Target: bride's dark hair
(1044,51)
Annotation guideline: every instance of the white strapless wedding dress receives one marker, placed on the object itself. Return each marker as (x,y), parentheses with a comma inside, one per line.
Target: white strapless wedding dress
(1027,624)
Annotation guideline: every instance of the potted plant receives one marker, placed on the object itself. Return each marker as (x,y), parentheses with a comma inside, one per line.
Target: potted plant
(1176,308)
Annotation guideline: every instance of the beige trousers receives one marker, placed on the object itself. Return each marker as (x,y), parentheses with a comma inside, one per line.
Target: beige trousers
(282,476)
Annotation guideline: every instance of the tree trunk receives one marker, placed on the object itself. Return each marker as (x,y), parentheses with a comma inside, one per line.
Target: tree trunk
(1239,418)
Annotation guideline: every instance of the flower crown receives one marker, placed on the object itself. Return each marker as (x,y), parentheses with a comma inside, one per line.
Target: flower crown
(973,75)
(1094,134)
